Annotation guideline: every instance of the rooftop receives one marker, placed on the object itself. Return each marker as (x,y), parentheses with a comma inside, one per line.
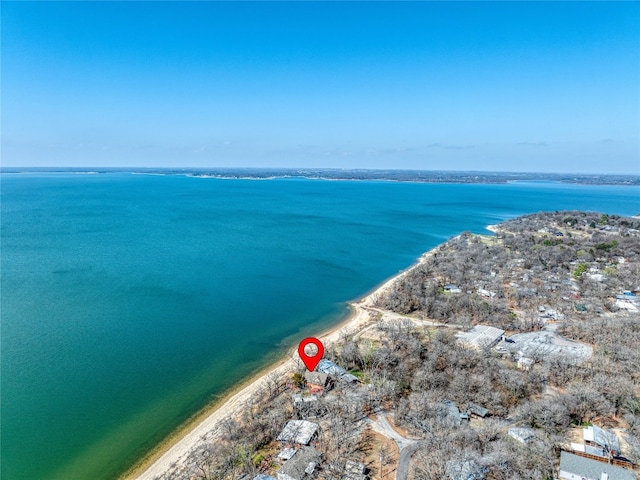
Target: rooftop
(298,398)
(301,465)
(330,368)
(523,435)
(477,410)
(591,469)
(467,470)
(481,336)
(354,471)
(602,437)
(316,378)
(298,431)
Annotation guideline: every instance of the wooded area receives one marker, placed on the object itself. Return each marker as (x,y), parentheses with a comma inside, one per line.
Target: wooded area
(573,277)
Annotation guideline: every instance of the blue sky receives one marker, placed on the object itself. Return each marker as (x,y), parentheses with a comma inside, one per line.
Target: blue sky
(520,86)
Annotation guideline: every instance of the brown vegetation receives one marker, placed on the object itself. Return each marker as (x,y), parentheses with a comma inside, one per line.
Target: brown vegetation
(555,271)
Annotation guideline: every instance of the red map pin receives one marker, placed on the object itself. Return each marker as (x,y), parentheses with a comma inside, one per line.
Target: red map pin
(311,362)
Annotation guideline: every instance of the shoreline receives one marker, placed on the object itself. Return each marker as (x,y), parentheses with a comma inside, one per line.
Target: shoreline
(175,448)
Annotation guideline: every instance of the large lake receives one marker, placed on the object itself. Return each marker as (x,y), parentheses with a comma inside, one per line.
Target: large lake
(131,301)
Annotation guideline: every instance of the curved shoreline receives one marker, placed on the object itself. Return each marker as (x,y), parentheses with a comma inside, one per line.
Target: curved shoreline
(175,449)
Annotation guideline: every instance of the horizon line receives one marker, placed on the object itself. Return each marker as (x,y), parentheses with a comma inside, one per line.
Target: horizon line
(301,168)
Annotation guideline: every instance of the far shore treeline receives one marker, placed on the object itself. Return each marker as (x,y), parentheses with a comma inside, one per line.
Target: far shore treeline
(427,176)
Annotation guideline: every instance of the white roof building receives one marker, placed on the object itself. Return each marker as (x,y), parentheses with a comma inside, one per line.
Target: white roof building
(523,435)
(299,399)
(298,431)
(486,293)
(605,438)
(481,336)
(574,467)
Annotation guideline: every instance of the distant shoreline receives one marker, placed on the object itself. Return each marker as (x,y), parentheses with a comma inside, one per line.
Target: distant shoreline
(389,175)
(174,450)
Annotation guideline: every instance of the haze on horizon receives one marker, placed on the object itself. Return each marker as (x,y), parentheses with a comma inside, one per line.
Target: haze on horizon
(519,87)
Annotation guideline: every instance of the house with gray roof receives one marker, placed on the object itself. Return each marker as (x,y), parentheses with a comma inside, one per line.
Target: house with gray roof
(448,411)
(316,378)
(451,288)
(481,336)
(354,471)
(298,431)
(330,368)
(522,434)
(599,437)
(575,467)
(301,466)
(477,410)
(317,382)
(467,470)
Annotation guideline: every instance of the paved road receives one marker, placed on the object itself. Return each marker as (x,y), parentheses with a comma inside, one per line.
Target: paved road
(405,457)
(407,446)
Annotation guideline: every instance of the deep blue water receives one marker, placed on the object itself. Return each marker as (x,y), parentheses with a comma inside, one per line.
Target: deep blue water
(130,301)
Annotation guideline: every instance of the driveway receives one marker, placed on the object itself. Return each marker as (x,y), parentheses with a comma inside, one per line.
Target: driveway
(407,446)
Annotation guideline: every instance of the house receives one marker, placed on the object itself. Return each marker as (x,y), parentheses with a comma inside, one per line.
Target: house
(299,399)
(330,368)
(486,293)
(298,431)
(451,288)
(477,410)
(448,410)
(467,470)
(316,381)
(301,466)
(580,307)
(523,435)
(575,467)
(602,439)
(481,336)
(552,314)
(628,301)
(625,304)
(354,471)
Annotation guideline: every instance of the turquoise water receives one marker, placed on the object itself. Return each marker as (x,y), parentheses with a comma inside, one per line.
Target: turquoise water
(130,301)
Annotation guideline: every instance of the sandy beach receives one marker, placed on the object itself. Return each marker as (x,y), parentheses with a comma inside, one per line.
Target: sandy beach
(177,453)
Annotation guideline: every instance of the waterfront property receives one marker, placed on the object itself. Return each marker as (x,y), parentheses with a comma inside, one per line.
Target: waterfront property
(317,382)
(330,368)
